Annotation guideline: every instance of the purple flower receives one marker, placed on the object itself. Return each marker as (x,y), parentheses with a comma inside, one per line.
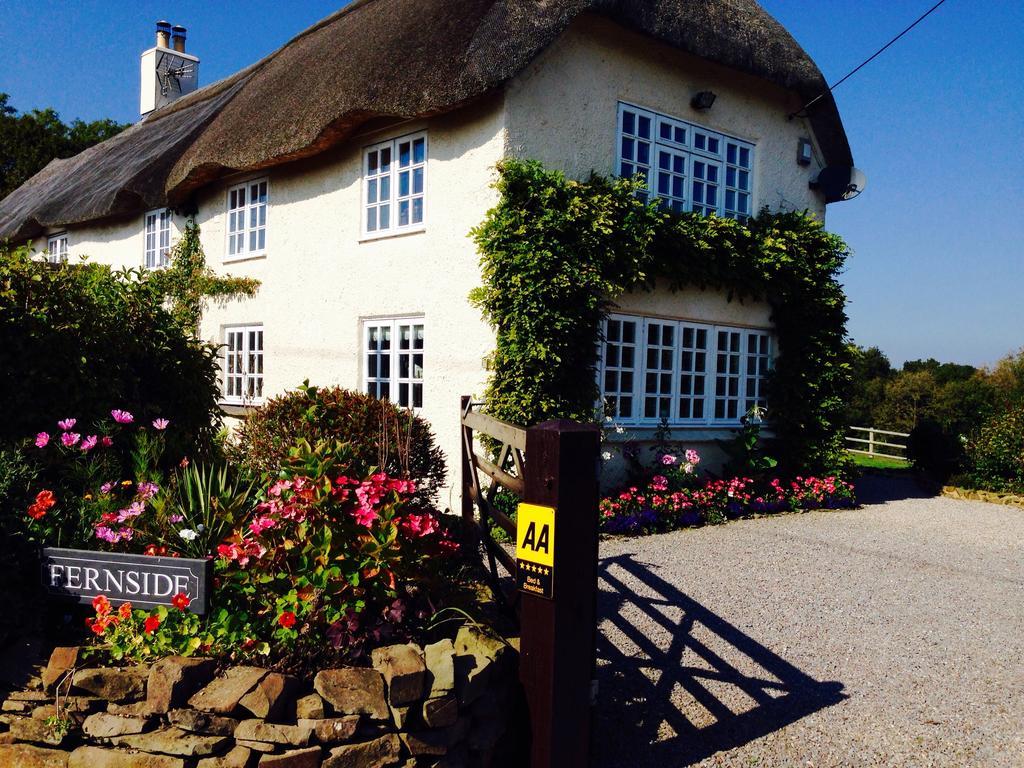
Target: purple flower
(42,439)
(107,534)
(147,490)
(107,487)
(122,417)
(668,459)
(126,533)
(134,509)
(67,424)
(89,443)
(175,518)
(160,423)
(69,438)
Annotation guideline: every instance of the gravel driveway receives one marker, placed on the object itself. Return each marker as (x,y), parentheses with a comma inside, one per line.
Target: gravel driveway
(892,635)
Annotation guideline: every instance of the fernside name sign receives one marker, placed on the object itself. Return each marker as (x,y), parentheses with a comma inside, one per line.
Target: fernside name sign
(143,580)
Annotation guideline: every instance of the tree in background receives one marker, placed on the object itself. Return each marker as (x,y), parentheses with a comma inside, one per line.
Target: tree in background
(30,140)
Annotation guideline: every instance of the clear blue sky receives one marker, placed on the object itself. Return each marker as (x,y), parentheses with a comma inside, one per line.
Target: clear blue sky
(937,123)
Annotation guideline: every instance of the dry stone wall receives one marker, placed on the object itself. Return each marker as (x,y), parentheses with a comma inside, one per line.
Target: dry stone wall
(449,704)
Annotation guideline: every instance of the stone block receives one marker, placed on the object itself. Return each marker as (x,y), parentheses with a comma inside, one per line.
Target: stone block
(62,660)
(174,741)
(120,685)
(378,753)
(425,743)
(440,661)
(404,671)
(99,757)
(273,733)
(174,679)
(332,730)
(103,725)
(296,758)
(193,721)
(27,756)
(37,731)
(309,707)
(33,696)
(238,757)
(405,718)
(223,694)
(18,707)
(476,656)
(273,698)
(352,691)
(135,709)
(440,713)
(256,746)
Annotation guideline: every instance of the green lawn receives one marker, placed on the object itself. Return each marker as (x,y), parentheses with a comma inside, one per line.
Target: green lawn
(875,462)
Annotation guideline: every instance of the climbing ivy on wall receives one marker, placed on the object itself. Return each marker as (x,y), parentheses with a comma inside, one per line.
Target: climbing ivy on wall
(556,252)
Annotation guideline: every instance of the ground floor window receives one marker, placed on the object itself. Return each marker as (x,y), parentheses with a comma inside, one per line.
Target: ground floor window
(653,370)
(393,360)
(57,248)
(243,364)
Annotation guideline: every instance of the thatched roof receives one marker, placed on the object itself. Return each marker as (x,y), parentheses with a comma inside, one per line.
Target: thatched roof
(374,58)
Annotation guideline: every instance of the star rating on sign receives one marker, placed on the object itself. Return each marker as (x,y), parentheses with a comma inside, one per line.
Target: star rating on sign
(534,568)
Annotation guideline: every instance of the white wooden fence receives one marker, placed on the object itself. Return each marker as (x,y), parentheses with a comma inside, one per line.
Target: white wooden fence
(879,443)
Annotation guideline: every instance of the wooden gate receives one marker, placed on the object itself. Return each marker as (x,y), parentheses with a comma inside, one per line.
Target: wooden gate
(553,465)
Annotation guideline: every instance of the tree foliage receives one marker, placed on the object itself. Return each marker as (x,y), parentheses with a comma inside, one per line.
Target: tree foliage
(30,140)
(557,252)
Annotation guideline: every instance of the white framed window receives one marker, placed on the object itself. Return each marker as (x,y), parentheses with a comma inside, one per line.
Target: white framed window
(156,233)
(247,220)
(243,364)
(394,186)
(393,350)
(682,372)
(57,248)
(685,166)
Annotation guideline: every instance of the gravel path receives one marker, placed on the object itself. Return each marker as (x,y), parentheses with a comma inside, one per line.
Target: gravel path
(887,636)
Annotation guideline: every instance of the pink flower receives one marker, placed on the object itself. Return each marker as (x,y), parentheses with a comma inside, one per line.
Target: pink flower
(260,524)
(134,509)
(69,438)
(147,490)
(107,487)
(659,483)
(415,526)
(89,443)
(175,518)
(365,515)
(122,417)
(160,423)
(692,457)
(106,441)
(668,460)
(67,424)
(42,439)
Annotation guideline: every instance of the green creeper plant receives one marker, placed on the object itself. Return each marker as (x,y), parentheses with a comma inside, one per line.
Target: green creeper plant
(556,253)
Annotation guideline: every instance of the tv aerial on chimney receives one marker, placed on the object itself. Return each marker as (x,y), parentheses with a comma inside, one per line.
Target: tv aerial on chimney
(168,72)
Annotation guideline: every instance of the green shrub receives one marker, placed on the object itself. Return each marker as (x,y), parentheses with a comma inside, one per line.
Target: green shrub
(76,338)
(995,453)
(379,433)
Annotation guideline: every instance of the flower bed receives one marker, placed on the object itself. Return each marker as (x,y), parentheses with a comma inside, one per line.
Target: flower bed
(675,496)
(446,703)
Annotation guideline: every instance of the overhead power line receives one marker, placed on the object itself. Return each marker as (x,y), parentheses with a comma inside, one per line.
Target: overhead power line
(866,61)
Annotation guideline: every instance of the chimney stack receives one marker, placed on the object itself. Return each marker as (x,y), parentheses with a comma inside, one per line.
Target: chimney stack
(163,34)
(178,38)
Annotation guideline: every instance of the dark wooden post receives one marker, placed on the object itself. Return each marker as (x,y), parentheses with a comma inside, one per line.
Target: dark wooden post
(557,661)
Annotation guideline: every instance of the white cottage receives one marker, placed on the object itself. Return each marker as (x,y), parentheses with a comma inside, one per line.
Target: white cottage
(345,171)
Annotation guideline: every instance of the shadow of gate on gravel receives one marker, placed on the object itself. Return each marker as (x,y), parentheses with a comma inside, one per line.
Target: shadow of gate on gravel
(677,683)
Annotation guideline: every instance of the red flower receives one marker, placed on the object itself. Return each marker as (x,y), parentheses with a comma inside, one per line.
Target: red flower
(125,611)
(181,601)
(286,619)
(101,605)
(44,501)
(152,622)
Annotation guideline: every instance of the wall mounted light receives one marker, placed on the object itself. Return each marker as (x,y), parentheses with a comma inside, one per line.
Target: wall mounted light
(804,152)
(703,100)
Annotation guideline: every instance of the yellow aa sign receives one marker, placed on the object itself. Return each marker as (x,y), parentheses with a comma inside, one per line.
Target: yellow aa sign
(535,550)
(535,534)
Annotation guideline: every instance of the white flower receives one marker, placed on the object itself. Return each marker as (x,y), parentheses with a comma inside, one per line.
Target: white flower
(606,455)
(688,469)
(200,527)
(619,430)
(187,534)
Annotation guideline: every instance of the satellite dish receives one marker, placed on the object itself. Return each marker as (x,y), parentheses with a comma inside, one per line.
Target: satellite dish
(840,182)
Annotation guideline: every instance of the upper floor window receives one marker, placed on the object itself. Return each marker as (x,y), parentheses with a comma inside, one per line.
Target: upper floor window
(681,372)
(57,248)
(685,166)
(394,183)
(157,238)
(393,364)
(247,219)
(243,364)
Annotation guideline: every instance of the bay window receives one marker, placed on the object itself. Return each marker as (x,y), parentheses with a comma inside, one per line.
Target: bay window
(686,373)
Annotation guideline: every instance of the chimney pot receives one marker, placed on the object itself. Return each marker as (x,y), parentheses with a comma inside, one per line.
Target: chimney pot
(163,34)
(178,38)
